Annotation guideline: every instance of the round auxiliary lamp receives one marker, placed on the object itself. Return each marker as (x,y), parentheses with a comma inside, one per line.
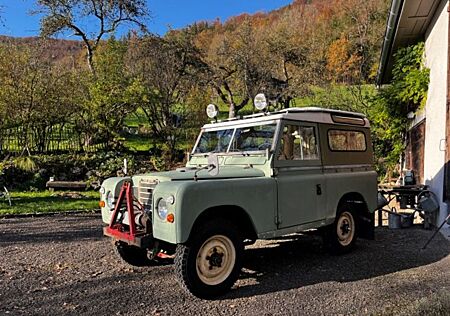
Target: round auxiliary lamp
(212,111)
(260,102)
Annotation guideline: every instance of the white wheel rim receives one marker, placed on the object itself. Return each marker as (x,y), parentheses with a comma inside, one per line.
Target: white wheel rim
(215,260)
(345,228)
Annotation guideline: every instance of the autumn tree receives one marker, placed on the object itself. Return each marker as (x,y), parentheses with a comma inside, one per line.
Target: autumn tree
(223,74)
(365,26)
(245,52)
(235,65)
(292,59)
(71,16)
(358,28)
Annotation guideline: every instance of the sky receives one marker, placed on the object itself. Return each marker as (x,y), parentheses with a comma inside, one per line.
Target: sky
(16,20)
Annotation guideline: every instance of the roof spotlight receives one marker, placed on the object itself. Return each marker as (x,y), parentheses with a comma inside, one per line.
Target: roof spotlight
(260,101)
(212,111)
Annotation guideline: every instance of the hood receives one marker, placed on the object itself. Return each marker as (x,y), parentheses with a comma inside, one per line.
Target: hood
(225,172)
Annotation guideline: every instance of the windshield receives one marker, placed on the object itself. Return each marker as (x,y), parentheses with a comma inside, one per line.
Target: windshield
(251,138)
(214,142)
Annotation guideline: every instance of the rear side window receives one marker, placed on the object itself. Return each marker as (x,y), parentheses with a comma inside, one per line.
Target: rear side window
(298,143)
(345,140)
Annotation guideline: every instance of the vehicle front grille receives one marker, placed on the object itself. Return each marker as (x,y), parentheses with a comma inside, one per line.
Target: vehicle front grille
(145,193)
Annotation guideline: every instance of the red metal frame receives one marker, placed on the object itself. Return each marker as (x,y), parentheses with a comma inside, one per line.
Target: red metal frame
(117,229)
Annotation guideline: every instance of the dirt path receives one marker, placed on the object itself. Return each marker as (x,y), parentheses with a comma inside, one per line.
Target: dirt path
(62,265)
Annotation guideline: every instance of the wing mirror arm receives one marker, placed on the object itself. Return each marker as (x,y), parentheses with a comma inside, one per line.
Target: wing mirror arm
(212,166)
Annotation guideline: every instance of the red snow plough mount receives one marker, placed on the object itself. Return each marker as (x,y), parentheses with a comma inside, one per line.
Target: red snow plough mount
(137,231)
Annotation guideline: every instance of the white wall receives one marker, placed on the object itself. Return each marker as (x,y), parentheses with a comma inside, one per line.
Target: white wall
(436,50)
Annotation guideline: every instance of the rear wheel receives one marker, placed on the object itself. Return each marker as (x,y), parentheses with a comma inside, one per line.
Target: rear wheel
(340,237)
(132,255)
(209,264)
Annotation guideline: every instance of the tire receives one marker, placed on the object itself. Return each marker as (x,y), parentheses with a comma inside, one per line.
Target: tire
(209,264)
(132,255)
(340,237)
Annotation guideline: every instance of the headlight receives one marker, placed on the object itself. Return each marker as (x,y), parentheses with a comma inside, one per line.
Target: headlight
(102,190)
(110,199)
(161,208)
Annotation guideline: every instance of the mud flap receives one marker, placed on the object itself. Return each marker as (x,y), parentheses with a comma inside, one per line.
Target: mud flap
(367,226)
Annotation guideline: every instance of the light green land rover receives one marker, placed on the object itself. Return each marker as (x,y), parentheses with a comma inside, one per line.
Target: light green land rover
(263,176)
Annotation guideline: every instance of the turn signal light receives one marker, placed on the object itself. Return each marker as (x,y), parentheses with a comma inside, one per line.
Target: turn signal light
(101,204)
(170,218)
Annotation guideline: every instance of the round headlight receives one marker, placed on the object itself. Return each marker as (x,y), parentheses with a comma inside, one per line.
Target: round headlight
(102,190)
(161,208)
(110,199)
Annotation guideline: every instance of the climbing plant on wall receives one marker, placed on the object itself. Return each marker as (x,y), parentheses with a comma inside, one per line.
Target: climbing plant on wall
(407,92)
(410,77)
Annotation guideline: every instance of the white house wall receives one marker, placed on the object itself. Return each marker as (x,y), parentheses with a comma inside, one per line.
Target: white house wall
(436,49)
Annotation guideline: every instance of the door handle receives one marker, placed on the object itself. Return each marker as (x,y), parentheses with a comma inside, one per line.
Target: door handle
(318,189)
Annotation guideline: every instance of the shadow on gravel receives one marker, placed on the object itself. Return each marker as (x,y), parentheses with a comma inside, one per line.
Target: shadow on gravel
(56,228)
(34,236)
(300,260)
(76,298)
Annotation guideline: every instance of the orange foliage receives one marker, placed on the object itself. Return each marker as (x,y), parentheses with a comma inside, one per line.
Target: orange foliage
(342,62)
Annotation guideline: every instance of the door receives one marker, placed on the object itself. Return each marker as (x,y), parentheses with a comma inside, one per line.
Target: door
(299,175)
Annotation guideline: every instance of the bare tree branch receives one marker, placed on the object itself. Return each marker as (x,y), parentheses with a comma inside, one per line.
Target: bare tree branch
(62,15)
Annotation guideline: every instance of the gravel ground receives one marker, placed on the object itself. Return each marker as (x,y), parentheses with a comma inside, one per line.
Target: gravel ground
(62,265)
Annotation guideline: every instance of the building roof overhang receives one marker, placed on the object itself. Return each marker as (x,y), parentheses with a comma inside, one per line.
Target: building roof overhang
(407,24)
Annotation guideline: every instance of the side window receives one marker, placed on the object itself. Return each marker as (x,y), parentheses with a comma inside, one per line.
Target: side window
(344,140)
(298,143)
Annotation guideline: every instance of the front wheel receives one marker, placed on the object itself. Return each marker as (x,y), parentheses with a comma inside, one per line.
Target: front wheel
(340,237)
(209,264)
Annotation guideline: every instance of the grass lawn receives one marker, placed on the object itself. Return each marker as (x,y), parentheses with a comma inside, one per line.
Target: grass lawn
(135,119)
(138,142)
(46,202)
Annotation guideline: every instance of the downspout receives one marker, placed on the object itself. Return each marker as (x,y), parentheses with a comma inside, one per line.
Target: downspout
(446,195)
(389,35)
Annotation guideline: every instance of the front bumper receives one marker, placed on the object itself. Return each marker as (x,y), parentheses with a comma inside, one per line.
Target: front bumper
(141,240)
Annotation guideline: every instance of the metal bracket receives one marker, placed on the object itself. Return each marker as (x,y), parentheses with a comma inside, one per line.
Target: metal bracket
(443,144)
(127,233)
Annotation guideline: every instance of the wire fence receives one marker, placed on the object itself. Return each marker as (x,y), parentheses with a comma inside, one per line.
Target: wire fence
(46,139)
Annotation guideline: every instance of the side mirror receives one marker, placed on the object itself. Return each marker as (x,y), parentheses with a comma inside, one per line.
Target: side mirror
(213,165)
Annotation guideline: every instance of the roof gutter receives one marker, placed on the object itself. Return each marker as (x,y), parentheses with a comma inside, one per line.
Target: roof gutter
(389,35)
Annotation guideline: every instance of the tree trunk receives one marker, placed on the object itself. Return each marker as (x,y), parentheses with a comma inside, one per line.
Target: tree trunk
(287,102)
(90,58)
(232,110)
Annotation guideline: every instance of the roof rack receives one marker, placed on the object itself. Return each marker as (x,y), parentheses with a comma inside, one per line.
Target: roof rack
(323,110)
(256,114)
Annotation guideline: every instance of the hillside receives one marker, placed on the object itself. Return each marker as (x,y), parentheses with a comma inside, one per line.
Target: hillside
(58,50)
(357,25)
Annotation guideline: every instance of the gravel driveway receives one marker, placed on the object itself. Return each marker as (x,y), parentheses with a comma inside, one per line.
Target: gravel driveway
(62,265)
